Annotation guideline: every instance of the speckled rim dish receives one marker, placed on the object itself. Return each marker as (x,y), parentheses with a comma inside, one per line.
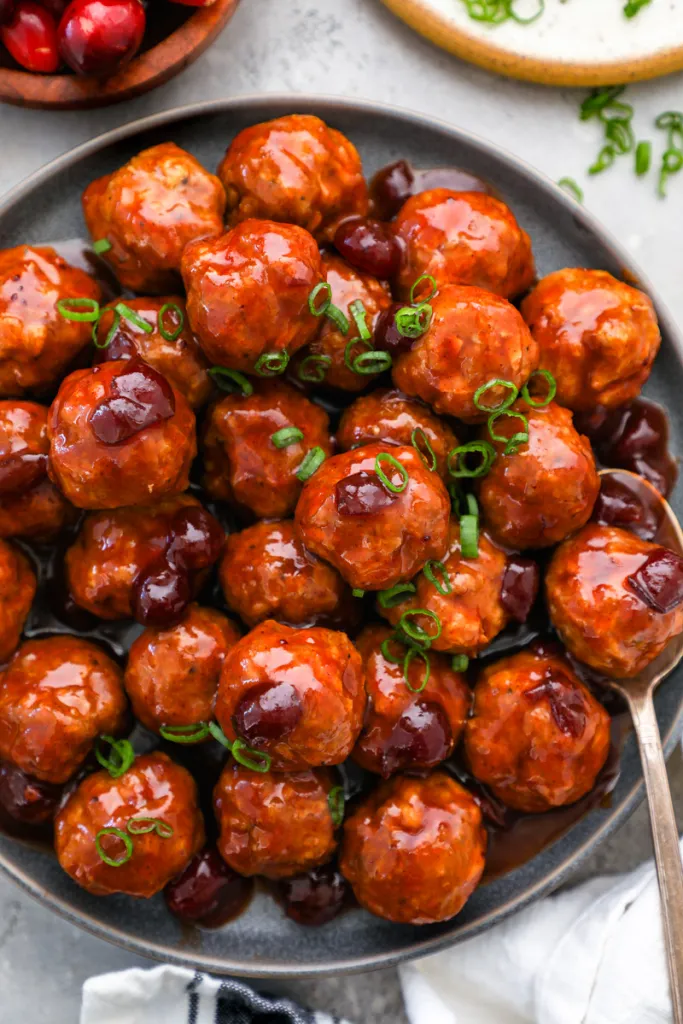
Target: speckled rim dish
(263,942)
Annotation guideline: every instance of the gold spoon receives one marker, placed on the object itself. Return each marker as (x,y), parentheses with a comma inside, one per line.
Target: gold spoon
(638,692)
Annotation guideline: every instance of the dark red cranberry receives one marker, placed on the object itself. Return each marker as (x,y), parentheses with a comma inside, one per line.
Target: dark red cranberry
(21,470)
(120,347)
(30,35)
(268,712)
(25,799)
(567,705)
(421,737)
(140,397)
(6,10)
(390,188)
(161,594)
(315,898)
(362,494)
(621,504)
(659,581)
(368,245)
(387,335)
(55,7)
(197,539)
(98,37)
(520,587)
(208,892)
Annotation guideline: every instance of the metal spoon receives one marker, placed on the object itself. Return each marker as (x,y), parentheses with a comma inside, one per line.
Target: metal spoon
(638,692)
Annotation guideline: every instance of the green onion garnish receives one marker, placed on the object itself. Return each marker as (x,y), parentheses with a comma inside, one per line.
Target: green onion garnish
(314,368)
(504,403)
(511,443)
(357,592)
(335,802)
(415,652)
(287,436)
(101,246)
(185,733)
(359,314)
(271,364)
(643,158)
(110,333)
(460,662)
(433,569)
(313,460)
(671,121)
(632,7)
(129,314)
(552,389)
(126,840)
(417,284)
(219,735)
(394,595)
(231,381)
(598,100)
(384,647)
(249,758)
(570,186)
(119,760)
(370,363)
(418,437)
(469,529)
(143,826)
(413,321)
(327,308)
(417,634)
(604,160)
(396,465)
(180,316)
(81,310)
(457,460)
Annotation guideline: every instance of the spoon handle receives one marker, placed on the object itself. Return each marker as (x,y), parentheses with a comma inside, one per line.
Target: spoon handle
(665,837)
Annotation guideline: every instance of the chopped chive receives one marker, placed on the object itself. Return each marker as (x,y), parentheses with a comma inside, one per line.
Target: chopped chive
(396,465)
(129,314)
(101,246)
(394,595)
(231,381)
(313,460)
(418,435)
(433,569)
(335,802)
(125,839)
(170,335)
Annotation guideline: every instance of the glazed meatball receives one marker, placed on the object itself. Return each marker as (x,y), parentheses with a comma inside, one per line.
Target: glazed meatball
(244,466)
(177,357)
(149,210)
(348,286)
(375,535)
(248,292)
(294,169)
(414,850)
(613,598)
(17,590)
(538,737)
(56,697)
(474,337)
(267,573)
(471,613)
(162,796)
(277,825)
(546,489)
(407,729)
(120,434)
(392,417)
(463,238)
(597,336)
(37,343)
(172,674)
(295,694)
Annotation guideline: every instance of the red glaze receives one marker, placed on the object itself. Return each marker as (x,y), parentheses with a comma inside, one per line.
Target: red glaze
(413,851)
(368,245)
(384,547)
(274,824)
(207,892)
(393,185)
(57,696)
(294,169)
(154,787)
(620,503)
(315,898)
(99,37)
(519,591)
(596,335)
(659,580)
(601,619)
(474,337)
(537,738)
(299,692)
(115,440)
(405,731)
(149,210)
(247,292)
(387,334)
(30,35)
(17,590)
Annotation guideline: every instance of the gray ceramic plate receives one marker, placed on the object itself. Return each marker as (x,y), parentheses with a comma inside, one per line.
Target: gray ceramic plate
(263,941)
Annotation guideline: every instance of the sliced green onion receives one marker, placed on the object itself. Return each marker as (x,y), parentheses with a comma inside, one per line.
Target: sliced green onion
(81,310)
(111,333)
(271,364)
(672,162)
(101,246)
(348,348)
(469,529)
(418,435)
(570,186)
(313,460)
(143,826)
(643,158)
(424,298)
(185,733)
(384,647)
(457,460)
(119,760)
(287,436)
(504,403)
(394,595)
(338,318)
(415,652)
(368,363)
(434,568)
(129,314)
(459,662)
(401,470)
(670,119)
(598,100)
(620,134)
(170,335)
(335,802)
(552,389)
(604,160)
(126,840)
(314,307)
(231,381)
(359,314)
(314,368)
(417,634)
(357,592)
(219,735)
(632,7)
(511,443)
(413,321)
(250,758)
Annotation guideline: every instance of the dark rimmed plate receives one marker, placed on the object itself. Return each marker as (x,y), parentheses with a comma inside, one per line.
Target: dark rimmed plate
(263,942)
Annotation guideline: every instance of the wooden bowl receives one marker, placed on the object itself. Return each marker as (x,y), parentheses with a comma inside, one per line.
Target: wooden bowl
(149,69)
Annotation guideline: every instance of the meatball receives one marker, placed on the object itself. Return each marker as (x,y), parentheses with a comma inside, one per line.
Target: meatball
(597,588)
(466,238)
(597,336)
(248,292)
(375,535)
(172,674)
(30,504)
(538,737)
(17,590)
(56,697)
(474,337)
(348,286)
(267,573)
(546,490)
(407,728)
(413,851)
(149,210)
(177,357)
(471,613)
(295,694)
(153,805)
(244,466)
(37,343)
(120,434)
(392,417)
(277,825)
(294,169)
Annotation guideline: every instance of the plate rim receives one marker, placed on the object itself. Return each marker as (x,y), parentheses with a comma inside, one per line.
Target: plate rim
(328,106)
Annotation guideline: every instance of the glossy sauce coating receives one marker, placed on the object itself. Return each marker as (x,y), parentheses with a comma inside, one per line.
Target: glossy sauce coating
(296,694)
(546,489)
(208,892)
(596,335)
(294,169)
(405,731)
(413,851)
(274,824)
(92,466)
(17,590)
(57,696)
(599,616)
(463,238)
(37,344)
(398,532)
(149,210)
(248,290)
(154,787)
(474,337)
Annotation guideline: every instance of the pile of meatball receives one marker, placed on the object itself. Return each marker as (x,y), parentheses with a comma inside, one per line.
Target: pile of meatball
(372,557)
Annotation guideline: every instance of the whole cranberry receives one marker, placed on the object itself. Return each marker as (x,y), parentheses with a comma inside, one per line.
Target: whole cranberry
(368,245)
(31,37)
(98,37)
